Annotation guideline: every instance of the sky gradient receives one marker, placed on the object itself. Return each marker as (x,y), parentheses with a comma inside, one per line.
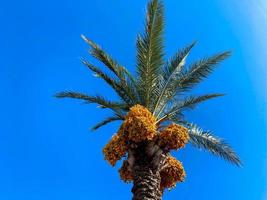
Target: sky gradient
(46,148)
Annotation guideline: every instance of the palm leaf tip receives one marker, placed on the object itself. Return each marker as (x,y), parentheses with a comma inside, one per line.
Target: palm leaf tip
(88,41)
(68,94)
(115,117)
(74,95)
(192,101)
(58,95)
(188,103)
(205,140)
(200,70)
(97,52)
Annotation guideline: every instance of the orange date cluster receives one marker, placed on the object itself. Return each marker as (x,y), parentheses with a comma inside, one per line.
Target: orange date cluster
(140,125)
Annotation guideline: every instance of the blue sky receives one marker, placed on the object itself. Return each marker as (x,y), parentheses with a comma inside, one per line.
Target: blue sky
(46,148)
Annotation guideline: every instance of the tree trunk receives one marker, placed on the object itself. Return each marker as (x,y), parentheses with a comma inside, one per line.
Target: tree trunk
(146,183)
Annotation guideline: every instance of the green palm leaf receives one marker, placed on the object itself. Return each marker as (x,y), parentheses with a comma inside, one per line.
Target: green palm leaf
(118,107)
(107,60)
(106,121)
(172,69)
(124,92)
(125,78)
(199,70)
(187,103)
(205,140)
(150,52)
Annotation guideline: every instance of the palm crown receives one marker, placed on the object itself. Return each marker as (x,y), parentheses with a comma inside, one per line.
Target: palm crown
(159,86)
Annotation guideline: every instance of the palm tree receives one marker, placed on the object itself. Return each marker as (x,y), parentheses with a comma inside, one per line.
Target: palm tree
(151,107)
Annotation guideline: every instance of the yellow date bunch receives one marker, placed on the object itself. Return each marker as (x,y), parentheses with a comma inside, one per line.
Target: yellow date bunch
(174,136)
(115,149)
(172,173)
(140,125)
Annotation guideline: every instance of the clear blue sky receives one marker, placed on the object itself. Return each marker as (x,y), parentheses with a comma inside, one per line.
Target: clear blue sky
(46,148)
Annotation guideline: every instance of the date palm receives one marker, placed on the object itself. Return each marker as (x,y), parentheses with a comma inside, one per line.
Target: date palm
(151,107)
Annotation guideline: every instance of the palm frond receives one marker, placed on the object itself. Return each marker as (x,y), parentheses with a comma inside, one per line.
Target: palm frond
(199,70)
(106,121)
(117,107)
(205,140)
(187,103)
(126,79)
(191,102)
(176,62)
(150,52)
(107,60)
(172,69)
(123,92)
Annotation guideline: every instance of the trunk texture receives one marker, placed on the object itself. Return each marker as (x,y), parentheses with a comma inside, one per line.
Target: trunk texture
(146,184)
(146,165)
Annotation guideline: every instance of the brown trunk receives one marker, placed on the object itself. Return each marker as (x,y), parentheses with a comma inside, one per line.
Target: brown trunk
(146,184)
(147,163)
